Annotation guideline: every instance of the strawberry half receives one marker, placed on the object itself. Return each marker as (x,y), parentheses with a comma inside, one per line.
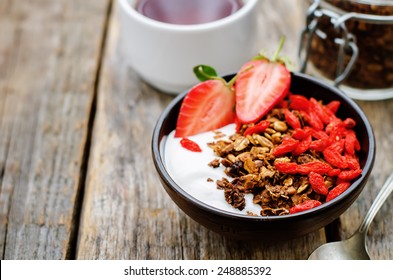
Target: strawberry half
(261,84)
(209,105)
(260,88)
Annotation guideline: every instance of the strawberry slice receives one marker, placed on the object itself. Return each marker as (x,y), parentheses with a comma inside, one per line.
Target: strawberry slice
(260,86)
(209,105)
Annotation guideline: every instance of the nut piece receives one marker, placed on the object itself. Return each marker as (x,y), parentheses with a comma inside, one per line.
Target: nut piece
(276,138)
(241,143)
(280,126)
(214,163)
(263,141)
(302,187)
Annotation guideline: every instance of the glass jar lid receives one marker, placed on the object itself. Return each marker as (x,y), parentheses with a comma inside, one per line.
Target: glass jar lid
(387,3)
(365,10)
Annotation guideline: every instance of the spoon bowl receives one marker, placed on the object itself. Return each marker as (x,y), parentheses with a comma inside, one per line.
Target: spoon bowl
(355,248)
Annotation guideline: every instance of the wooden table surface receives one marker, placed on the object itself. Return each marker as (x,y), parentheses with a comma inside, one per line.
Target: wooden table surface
(76,176)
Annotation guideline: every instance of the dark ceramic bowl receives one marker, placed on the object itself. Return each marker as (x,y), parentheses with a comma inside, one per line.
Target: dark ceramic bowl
(277,227)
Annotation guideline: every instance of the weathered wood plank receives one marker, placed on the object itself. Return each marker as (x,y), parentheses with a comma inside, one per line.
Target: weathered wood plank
(126,213)
(49,54)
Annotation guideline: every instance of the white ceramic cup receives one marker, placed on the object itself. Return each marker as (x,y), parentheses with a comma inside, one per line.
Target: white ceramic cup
(164,54)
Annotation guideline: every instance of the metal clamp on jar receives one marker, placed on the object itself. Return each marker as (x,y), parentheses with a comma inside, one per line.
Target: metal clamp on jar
(351,44)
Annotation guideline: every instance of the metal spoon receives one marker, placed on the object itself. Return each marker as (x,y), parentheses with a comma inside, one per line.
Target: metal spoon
(354,248)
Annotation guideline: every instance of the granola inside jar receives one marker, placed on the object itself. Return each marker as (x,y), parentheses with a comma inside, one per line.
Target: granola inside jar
(352,44)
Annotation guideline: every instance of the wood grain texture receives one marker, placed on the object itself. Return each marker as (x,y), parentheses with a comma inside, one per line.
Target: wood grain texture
(126,212)
(46,96)
(50,57)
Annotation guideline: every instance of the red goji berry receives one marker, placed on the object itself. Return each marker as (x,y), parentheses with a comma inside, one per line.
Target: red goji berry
(298,102)
(334,172)
(319,134)
(315,121)
(338,146)
(286,167)
(333,106)
(314,166)
(330,115)
(335,158)
(357,144)
(291,119)
(190,145)
(349,123)
(309,130)
(319,145)
(335,127)
(287,145)
(300,134)
(337,190)
(302,146)
(352,161)
(305,205)
(348,175)
(317,183)
(317,107)
(312,119)
(349,144)
(258,128)
(283,104)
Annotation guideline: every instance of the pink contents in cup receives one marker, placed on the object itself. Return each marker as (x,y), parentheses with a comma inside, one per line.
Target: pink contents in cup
(187,11)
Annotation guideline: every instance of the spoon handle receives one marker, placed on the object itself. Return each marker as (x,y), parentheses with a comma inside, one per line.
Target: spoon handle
(379,200)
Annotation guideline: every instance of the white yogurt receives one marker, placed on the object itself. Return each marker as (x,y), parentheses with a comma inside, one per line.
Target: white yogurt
(190,170)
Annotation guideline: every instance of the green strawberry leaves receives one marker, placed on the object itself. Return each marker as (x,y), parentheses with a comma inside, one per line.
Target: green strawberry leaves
(205,72)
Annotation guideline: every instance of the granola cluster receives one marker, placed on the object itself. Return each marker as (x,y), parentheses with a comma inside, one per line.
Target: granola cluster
(252,166)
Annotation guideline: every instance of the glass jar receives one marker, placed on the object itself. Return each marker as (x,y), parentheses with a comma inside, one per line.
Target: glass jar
(350,42)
